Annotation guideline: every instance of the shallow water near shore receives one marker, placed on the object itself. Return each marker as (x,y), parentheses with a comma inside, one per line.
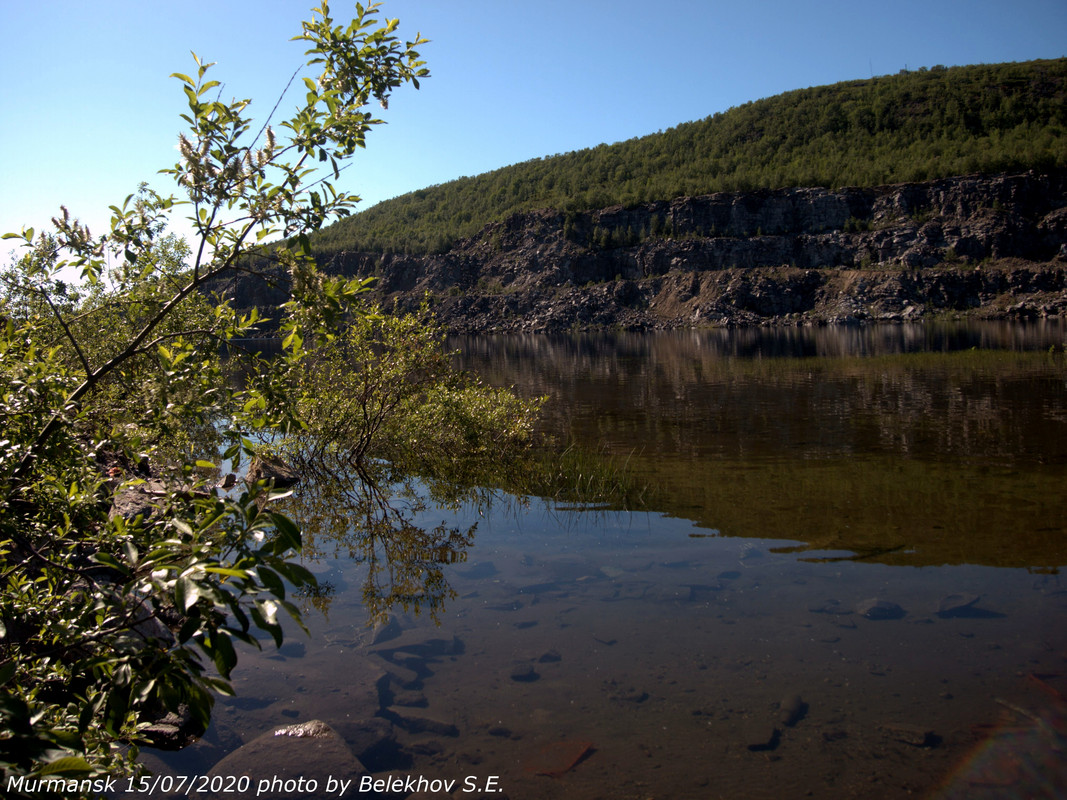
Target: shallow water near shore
(847,585)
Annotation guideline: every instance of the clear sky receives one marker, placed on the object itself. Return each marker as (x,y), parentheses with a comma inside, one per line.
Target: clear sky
(87,110)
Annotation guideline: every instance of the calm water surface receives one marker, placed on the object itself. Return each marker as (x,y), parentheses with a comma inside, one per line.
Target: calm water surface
(847,585)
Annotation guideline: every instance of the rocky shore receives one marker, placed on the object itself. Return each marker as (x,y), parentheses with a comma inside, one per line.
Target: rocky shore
(769,296)
(984,246)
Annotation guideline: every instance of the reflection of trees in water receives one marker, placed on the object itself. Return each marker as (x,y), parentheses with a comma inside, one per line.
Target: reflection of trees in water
(352,515)
(379,406)
(320,597)
(917,390)
(853,441)
(373,516)
(608,352)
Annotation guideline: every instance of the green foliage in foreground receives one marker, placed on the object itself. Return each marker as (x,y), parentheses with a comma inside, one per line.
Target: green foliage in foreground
(913,126)
(129,574)
(113,614)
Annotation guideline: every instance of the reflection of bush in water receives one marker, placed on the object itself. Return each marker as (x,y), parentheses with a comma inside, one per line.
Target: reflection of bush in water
(323,588)
(376,525)
(319,597)
(392,432)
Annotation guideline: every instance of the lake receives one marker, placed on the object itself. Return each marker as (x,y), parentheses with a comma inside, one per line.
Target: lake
(845,583)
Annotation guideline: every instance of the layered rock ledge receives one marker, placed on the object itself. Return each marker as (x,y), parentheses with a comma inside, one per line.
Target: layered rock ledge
(988,246)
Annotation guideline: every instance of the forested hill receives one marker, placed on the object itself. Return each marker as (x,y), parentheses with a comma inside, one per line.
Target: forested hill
(913,126)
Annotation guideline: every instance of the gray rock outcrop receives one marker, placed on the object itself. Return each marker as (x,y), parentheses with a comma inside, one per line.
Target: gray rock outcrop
(981,245)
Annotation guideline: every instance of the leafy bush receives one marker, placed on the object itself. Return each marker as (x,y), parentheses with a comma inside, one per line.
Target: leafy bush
(127,572)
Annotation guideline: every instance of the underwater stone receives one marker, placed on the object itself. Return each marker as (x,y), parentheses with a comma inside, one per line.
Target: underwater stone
(829,607)
(915,735)
(422,722)
(385,630)
(410,698)
(760,736)
(792,710)
(480,571)
(957,605)
(879,609)
(524,673)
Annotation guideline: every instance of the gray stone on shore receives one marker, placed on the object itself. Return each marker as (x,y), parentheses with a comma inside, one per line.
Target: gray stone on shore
(174,731)
(138,499)
(277,760)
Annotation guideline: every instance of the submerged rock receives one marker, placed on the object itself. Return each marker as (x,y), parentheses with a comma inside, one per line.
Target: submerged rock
(524,673)
(480,571)
(957,605)
(557,758)
(792,710)
(385,630)
(410,698)
(749,553)
(876,609)
(633,696)
(373,740)
(761,736)
(915,735)
(830,606)
(420,722)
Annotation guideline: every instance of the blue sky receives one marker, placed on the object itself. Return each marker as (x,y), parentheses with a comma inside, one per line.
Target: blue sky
(88,110)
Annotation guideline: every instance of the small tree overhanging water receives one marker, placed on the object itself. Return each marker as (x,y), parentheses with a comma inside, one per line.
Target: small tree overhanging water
(113,613)
(391,428)
(128,571)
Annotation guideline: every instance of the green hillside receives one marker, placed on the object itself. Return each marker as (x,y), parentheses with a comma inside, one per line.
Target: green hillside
(916,125)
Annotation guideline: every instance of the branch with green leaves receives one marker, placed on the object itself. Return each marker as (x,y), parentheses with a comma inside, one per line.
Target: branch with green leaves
(127,363)
(236,188)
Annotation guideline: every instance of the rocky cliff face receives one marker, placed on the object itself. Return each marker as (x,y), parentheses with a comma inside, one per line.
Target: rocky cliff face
(988,245)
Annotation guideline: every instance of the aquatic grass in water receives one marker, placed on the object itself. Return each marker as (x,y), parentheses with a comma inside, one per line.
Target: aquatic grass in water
(585,479)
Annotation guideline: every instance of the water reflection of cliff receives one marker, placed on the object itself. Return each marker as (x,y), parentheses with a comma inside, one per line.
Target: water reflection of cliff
(913,444)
